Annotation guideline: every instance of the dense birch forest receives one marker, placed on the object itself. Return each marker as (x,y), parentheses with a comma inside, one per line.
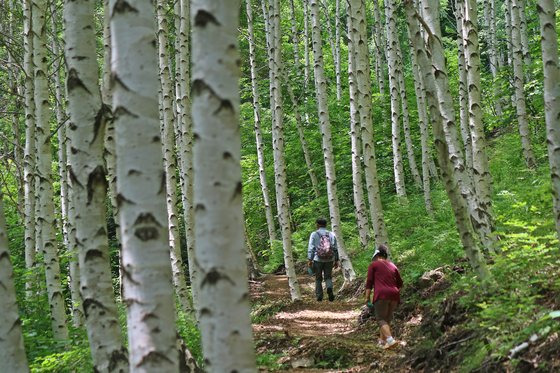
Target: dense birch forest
(164,165)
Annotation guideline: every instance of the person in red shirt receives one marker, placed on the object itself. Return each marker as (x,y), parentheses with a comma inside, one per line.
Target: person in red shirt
(385,280)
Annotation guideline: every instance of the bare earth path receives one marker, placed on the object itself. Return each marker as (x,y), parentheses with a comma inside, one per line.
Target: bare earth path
(311,336)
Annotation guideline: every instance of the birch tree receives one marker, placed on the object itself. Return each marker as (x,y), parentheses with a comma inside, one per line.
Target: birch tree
(379,48)
(518,79)
(358,36)
(356,143)
(392,43)
(323,110)
(168,139)
(29,150)
(46,218)
(282,202)
(12,351)
(258,132)
(493,53)
(89,188)
(224,302)
(450,179)
(143,216)
(549,45)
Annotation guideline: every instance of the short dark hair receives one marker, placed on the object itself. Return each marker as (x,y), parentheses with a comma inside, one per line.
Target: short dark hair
(383,251)
(321,222)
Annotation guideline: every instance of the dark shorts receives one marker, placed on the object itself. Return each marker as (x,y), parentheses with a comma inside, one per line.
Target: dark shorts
(384,309)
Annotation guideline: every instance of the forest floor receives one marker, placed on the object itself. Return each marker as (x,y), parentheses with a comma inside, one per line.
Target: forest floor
(312,336)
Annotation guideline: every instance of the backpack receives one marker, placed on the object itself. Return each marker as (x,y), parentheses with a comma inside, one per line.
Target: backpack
(324,250)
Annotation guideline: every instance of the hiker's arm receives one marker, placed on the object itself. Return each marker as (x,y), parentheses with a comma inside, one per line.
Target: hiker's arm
(369,284)
(399,279)
(368,296)
(335,248)
(311,248)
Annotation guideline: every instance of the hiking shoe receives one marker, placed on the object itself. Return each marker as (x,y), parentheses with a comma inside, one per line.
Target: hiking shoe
(390,344)
(331,295)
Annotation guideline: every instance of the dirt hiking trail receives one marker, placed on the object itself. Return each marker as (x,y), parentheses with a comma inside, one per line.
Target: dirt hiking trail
(312,336)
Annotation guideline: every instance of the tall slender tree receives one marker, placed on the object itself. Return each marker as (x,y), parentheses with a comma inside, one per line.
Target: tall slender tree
(45,217)
(12,351)
(141,193)
(323,110)
(224,303)
(551,67)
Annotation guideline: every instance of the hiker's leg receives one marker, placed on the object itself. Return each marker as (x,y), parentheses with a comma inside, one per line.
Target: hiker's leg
(318,267)
(328,266)
(381,307)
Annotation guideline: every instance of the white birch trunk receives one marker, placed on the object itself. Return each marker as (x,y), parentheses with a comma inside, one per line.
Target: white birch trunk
(423,124)
(463,90)
(480,167)
(272,18)
(549,44)
(518,78)
(323,110)
(332,43)
(379,48)
(355,138)
(392,44)
(508,26)
(29,152)
(141,192)
(168,137)
(306,63)
(12,351)
(89,187)
(406,119)
(523,33)
(46,218)
(224,295)
(493,55)
(451,183)
(295,106)
(337,50)
(184,136)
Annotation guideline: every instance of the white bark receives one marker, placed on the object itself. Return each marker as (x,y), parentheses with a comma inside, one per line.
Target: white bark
(451,183)
(480,167)
(549,44)
(89,188)
(518,78)
(141,193)
(29,152)
(46,218)
(493,55)
(224,295)
(12,351)
(509,43)
(379,46)
(406,120)
(392,44)
(170,164)
(323,110)
(523,33)
(331,37)
(184,136)
(463,90)
(282,202)
(423,124)
(355,137)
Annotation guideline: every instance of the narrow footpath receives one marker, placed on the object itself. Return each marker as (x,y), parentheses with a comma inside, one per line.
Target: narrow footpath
(312,336)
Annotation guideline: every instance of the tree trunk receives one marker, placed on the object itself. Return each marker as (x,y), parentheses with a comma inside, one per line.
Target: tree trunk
(184,136)
(224,303)
(272,18)
(12,351)
(406,120)
(523,33)
(46,218)
(321,90)
(295,107)
(451,184)
(89,188)
(423,124)
(392,44)
(140,175)
(508,25)
(337,60)
(355,137)
(549,44)
(493,55)
(380,45)
(332,43)
(463,90)
(518,79)
(29,152)
(168,137)
(481,169)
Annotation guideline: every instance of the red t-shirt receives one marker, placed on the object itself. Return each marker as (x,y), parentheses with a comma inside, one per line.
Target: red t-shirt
(384,277)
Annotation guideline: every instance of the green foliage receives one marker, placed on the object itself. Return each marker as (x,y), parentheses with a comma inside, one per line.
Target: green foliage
(269,361)
(190,333)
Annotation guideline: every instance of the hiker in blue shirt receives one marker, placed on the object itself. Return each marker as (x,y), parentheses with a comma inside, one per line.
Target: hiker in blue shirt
(322,257)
